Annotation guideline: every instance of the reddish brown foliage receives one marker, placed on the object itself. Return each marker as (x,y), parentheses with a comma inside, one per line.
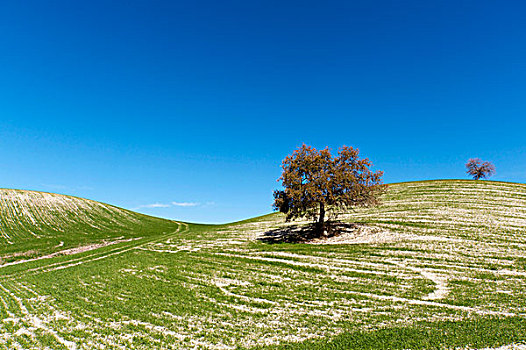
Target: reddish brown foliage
(315,182)
(478,169)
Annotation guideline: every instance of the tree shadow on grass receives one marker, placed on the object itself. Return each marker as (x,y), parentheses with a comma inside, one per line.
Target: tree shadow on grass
(306,233)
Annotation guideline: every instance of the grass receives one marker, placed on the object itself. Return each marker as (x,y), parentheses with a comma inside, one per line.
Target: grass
(478,333)
(440,264)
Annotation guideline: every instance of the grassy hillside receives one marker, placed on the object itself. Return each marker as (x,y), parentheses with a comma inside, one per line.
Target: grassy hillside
(439,264)
(37,223)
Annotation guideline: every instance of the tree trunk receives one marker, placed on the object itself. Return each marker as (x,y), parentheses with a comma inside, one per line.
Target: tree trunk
(320,225)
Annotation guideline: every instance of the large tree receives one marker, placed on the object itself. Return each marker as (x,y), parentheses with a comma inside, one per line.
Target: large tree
(479,169)
(316,183)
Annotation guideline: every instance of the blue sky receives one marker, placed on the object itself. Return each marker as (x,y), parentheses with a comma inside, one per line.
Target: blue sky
(186,109)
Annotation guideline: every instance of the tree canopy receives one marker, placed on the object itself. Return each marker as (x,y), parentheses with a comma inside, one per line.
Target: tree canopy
(478,169)
(315,183)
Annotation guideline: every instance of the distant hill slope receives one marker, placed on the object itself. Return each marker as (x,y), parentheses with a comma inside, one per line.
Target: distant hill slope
(481,210)
(40,221)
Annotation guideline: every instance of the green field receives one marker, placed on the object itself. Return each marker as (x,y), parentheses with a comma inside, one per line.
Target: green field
(438,265)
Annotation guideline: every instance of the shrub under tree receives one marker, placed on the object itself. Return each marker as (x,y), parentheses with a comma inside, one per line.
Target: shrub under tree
(316,183)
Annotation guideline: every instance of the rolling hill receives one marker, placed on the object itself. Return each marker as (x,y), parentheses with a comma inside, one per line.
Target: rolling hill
(439,264)
(36,223)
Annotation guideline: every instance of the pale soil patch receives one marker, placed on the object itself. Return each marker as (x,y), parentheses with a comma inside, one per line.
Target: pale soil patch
(225,282)
(504,347)
(70,251)
(180,249)
(432,303)
(366,234)
(19,254)
(441,289)
(88,247)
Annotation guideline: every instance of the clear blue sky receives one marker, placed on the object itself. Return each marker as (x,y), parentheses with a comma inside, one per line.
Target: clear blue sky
(185,109)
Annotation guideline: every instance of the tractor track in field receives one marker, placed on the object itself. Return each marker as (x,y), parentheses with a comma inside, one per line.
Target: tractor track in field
(94,255)
(14,306)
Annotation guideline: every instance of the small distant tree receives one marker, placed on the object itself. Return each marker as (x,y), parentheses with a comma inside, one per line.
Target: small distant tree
(478,169)
(315,183)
